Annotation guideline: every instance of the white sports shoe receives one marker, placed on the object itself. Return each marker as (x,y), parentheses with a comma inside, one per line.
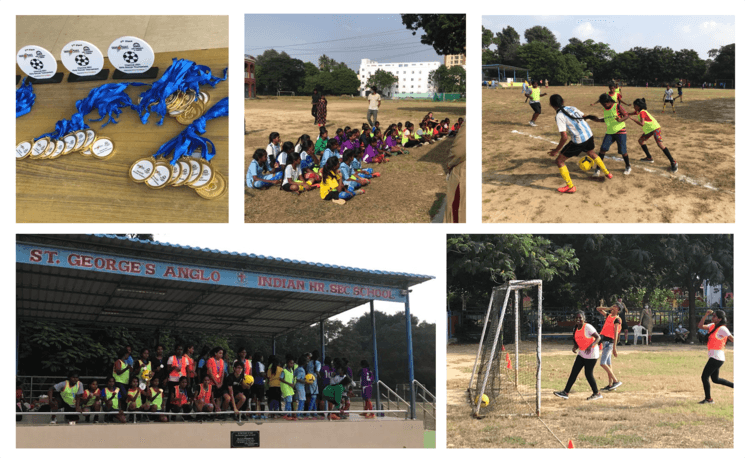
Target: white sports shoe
(532,124)
(598,173)
(627,171)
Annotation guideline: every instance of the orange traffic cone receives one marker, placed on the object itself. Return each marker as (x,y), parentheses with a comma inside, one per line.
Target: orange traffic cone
(571,445)
(509,362)
(502,347)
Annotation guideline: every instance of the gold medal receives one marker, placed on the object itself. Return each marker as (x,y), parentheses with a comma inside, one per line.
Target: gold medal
(204,97)
(50,149)
(195,170)
(206,175)
(39,147)
(102,148)
(191,113)
(59,147)
(176,173)
(215,189)
(70,141)
(90,136)
(79,139)
(23,149)
(142,169)
(185,171)
(161,175)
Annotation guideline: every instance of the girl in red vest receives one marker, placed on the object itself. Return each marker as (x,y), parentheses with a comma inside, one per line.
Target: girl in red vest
(716,340)
(204,398)
(586,340)
(609,338)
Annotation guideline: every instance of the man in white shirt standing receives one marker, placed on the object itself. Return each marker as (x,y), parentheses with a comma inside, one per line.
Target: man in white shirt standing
(372,109)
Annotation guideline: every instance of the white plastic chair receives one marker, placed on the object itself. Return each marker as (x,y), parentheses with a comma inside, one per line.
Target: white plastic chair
(640,331)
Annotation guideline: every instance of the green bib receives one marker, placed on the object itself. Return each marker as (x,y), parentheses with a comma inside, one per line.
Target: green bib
(613,126)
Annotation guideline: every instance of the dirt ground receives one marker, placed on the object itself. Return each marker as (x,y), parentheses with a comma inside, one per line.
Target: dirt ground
(656,407)
(410,189)
(520,179)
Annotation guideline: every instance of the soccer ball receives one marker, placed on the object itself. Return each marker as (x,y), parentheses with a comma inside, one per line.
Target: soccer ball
(81,60)
(484,400)
(130,57)
(247,381)
(36,64)
(147,374)
(586,164)
(310,378)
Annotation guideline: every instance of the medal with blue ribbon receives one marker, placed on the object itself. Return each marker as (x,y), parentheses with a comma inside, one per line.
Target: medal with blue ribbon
(185,160)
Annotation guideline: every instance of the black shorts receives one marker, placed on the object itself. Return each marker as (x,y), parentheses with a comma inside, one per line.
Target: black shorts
(332,195)
(668,101)
(572,149)
(286,186)
(536,107)
(680,91)
(257,391)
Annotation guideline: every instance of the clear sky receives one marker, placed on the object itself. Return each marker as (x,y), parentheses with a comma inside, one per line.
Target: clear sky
(395,253)
(345,38)
(700,33)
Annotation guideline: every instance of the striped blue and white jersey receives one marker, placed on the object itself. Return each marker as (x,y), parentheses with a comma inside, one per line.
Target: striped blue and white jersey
(579,130)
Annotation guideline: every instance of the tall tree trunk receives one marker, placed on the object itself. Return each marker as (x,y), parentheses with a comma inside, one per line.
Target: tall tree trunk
(692,322)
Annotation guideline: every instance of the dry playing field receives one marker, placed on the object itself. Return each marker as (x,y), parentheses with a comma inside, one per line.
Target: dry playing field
(410,189)
(520,179)
(656,407)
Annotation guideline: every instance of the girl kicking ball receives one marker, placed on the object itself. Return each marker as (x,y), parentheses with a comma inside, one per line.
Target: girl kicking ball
(651,127)
(570,118)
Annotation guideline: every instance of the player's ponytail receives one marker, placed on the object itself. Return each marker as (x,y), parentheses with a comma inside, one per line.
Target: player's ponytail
(642,103)
(558,104)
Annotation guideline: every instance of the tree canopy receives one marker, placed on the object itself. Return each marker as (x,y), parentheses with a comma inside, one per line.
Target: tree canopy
(446,33)
(451,79)
(544,57)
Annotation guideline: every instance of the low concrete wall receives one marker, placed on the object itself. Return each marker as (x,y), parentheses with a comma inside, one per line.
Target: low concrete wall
(276,434)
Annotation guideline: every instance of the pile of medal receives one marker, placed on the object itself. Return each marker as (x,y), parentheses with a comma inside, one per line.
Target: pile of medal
(196,173)
(84,142)
(187,106)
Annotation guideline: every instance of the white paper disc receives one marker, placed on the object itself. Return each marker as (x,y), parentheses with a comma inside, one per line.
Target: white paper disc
(131,55)
(82,58)
(37,62)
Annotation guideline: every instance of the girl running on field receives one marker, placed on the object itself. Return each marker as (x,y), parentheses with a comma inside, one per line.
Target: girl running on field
(534,95)
(586,340)
(582,140)
(609,338)
(651,127)
(716,340)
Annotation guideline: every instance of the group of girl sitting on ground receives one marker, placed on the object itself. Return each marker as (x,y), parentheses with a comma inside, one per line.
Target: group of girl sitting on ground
(339,171)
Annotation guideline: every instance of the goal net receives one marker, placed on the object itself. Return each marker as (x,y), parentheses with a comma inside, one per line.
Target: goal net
(724,84)
(508,363)
(281,93)
(587,82)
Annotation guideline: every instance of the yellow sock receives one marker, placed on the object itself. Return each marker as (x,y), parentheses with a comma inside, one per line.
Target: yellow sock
(599,163)
(565,175)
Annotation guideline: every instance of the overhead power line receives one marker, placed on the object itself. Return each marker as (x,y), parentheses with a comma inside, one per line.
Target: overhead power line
(377,34)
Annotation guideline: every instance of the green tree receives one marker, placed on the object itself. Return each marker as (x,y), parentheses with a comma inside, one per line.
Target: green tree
(690,259)
(543,35)
(544,62)
(310,71)
(508,43)
(451,79)
(279,72)
(723,65)
(688,65)
(487,38)
(594,55)
(446,33)
(381,79)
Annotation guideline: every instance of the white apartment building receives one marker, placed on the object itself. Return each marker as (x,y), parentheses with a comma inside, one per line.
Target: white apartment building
(413,77)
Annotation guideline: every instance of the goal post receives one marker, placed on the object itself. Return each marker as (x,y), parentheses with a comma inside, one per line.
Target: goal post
(281,93)
(507,368)
(587,82)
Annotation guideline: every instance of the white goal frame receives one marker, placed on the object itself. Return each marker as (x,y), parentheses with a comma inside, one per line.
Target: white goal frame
(290,93)
(587,82)
(510,287)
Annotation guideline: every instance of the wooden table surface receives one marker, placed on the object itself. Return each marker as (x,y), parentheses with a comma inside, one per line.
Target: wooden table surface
(78,189)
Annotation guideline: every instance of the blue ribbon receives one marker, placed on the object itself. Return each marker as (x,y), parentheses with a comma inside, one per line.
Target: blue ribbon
(108,100)
(188,141)
(182,75)
(25,98)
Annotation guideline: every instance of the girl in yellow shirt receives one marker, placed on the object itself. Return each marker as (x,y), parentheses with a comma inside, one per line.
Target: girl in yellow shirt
(331,186)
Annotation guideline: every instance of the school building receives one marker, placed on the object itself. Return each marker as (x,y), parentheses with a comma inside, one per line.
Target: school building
(249,76)
(413,78)
(454,59)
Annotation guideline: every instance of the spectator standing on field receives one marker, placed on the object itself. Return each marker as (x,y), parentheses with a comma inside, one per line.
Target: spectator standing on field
(374,105)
